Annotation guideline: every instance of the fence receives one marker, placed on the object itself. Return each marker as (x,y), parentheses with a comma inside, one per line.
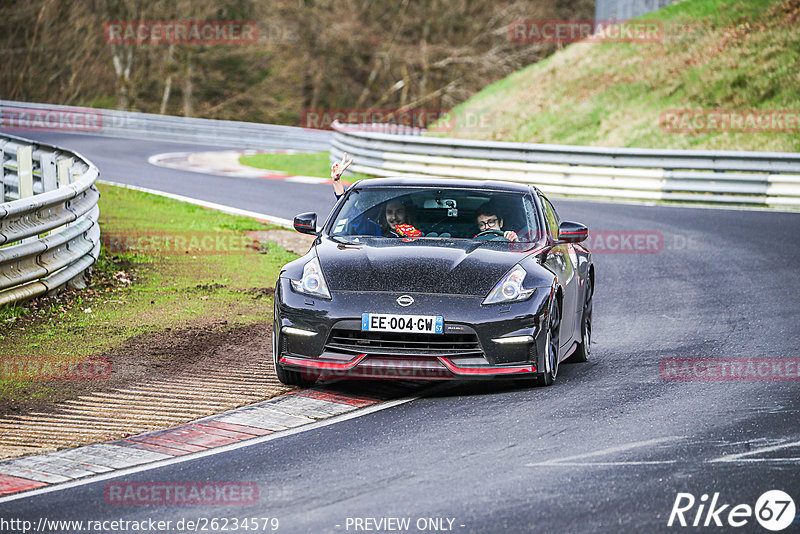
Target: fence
(49,233)
(706,176)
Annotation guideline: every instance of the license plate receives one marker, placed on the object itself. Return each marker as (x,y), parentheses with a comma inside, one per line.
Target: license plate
(414,324)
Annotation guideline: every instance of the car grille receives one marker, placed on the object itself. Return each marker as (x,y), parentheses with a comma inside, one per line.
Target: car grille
(395,343)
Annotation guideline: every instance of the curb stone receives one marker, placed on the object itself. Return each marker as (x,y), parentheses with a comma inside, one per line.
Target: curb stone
(284,412)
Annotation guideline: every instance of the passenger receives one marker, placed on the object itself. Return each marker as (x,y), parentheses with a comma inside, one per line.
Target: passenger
(394,219)
(336,173)
(488,219)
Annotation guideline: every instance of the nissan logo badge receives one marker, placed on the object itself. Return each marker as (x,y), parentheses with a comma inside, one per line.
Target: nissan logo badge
(405,300)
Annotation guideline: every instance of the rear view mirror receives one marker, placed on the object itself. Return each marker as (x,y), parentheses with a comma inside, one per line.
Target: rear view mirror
(306,223)
(572,232)
(433,203)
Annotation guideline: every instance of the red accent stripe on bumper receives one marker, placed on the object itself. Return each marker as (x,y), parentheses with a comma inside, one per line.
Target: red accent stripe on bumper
(317,364)
(453,368)
(487,370)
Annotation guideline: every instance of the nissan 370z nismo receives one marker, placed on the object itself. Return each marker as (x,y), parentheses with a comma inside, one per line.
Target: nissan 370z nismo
(422,278)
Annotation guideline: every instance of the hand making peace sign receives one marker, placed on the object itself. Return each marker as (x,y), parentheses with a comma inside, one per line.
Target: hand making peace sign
(336,173)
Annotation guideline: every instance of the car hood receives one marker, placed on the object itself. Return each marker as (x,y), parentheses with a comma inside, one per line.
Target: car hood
(456,267)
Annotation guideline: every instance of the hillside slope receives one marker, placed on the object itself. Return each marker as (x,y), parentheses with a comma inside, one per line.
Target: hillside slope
(715,55)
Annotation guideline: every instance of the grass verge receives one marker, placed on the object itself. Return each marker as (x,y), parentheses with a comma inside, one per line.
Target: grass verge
(305,164)
(164,265)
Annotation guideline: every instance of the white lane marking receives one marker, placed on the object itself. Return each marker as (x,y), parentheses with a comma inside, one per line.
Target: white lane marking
(210,452)
(601,464)
(760,460)
(206,204)
(307,179)
(610,450)
(739,457)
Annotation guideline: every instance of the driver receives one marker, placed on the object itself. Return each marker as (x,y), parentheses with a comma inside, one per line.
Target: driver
(488,219)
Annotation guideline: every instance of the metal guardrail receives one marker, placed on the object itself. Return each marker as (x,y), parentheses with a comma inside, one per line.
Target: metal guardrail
(706,176)
(49,233)
(19,116)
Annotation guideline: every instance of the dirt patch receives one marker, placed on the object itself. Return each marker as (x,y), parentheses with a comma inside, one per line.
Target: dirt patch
(260,292)
(158,380)
(149,357)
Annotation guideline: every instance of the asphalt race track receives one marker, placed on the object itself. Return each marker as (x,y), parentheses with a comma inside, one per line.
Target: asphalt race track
(125,161)
(608,448)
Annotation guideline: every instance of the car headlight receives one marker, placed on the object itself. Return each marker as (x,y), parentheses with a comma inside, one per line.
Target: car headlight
(510,288)
(312,283)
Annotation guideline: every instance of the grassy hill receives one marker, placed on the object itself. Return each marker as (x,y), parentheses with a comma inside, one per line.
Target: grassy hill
(715,55)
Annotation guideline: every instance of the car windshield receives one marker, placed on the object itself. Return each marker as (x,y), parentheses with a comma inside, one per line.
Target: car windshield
(439,213)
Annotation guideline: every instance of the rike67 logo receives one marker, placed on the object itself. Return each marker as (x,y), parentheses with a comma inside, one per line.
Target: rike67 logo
(774,510)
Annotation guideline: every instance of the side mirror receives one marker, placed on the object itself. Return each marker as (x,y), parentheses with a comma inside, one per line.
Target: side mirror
(572,232)
(306,223)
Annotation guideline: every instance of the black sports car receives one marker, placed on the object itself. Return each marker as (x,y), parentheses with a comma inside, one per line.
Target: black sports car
(421,278)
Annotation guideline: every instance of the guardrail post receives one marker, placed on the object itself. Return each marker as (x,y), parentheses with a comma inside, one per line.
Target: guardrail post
(25,171)
(63,166)
(79,282)
(25,176)
(63,178)
(2,171)
(48,162)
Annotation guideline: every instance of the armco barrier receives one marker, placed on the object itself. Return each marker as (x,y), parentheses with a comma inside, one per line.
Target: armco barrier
(715,177)
(49,233)
(21,116)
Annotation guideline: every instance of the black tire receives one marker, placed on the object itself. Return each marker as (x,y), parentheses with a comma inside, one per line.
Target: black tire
(287,377)
(551,357)
(581,353)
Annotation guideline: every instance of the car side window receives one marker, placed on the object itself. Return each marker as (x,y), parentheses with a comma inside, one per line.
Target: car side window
(553,209)
(530,216)
(550,216)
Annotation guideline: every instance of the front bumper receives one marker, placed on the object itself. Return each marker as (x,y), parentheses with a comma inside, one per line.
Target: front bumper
(324,337)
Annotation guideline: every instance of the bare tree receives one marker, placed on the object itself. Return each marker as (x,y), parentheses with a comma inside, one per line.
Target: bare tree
(310,54)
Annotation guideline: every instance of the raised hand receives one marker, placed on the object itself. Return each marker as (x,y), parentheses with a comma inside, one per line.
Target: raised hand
(338,168)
